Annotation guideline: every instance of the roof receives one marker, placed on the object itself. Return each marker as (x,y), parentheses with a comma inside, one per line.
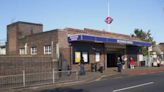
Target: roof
(23,22)
(103,33)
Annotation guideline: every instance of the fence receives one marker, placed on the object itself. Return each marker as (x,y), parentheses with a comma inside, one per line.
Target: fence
(32,79)
(19,71)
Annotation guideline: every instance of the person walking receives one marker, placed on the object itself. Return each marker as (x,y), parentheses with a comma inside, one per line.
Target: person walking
(82,69)
(119,64)
(124,60)
(132,63)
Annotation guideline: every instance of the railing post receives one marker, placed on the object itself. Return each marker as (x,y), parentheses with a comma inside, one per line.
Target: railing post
(53,75)
(24,80)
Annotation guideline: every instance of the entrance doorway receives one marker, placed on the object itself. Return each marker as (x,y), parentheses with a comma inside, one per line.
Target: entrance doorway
(112,58)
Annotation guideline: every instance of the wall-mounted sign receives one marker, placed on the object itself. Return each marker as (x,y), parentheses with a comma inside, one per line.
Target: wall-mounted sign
(98,39)
(74,37)
(124,42)
(77,57)
(85,56)
(97,57)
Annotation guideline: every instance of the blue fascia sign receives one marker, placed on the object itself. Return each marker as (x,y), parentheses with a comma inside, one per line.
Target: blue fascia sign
(92,38)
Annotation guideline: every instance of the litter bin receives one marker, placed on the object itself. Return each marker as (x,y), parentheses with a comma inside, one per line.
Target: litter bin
(142,63)
(94,67)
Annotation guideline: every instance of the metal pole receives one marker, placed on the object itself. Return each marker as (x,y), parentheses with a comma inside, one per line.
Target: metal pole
(108,26)
(148,63)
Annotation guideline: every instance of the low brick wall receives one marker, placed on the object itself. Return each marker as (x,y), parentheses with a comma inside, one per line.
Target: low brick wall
(10,65)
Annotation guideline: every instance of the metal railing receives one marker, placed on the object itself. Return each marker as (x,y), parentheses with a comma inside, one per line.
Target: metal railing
(40,78)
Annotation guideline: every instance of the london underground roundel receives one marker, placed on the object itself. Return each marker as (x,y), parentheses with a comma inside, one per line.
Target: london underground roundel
(108,20)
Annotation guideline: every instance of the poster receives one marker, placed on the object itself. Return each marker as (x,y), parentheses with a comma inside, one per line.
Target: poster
(85,57)
(97,57)
(77,57)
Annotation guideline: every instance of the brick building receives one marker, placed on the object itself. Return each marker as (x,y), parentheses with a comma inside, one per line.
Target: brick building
(161,45)
(69,45)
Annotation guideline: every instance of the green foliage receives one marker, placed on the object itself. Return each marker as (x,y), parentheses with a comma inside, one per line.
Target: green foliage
(144,36)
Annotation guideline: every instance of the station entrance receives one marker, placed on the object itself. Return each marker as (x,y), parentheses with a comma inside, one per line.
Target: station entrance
(112,57)
(111,60)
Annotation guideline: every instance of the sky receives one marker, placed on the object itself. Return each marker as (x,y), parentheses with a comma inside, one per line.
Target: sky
(58,14)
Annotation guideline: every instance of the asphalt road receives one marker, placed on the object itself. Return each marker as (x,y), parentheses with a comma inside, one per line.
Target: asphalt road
(140,83)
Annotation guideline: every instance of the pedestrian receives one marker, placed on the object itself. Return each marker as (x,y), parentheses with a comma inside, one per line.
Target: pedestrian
(119,64)
(82,69)
(101,68)
(132,63)
(124,60)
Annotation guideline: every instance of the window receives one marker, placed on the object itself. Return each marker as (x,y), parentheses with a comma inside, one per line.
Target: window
(47,49)
(33,51)
(21,51)
(97,57)
(78,55)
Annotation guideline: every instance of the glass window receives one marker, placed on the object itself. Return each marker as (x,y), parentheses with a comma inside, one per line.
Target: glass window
(97,57)
(47,49)
(33,51)
(21,51)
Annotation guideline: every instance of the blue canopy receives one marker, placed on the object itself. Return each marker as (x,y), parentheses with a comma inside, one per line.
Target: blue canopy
(91,38)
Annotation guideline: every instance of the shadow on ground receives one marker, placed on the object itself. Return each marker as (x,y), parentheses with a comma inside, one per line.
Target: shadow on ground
(64,90)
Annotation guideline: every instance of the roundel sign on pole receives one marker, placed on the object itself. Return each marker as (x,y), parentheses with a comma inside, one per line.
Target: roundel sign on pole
(108,20)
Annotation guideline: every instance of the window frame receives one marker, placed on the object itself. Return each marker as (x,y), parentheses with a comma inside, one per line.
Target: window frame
(47,49)
(33,51)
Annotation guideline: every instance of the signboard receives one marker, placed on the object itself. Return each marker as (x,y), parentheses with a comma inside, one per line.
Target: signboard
(108,20)
(83,37)
(77,57)
(124,42)
(97,57)
(74,37)
(85,56)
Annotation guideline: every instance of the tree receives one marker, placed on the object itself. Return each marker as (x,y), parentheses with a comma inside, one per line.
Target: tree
(144,36)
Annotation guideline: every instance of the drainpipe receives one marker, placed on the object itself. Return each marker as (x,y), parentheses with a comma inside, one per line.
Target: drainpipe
(25,47)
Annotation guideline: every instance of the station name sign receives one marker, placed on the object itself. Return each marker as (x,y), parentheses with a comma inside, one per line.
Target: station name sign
(124,41)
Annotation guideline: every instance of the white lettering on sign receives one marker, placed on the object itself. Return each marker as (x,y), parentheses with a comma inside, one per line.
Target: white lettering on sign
(129,42)
(74,38)
(124,42)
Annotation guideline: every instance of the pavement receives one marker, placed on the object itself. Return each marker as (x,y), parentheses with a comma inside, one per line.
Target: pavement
(94,76)
(144,70)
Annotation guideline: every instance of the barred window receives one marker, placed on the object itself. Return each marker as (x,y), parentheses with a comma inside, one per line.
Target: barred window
(33,51)
(47,49)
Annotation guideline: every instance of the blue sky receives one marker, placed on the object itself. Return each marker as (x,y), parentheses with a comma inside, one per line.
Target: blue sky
(127,15)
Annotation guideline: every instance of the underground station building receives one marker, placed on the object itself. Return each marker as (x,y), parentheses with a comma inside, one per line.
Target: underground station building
(67,46)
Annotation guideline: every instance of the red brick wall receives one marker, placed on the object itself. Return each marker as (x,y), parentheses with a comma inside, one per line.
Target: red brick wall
(17,31)
(25,29)
(39,41)
(11,40)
